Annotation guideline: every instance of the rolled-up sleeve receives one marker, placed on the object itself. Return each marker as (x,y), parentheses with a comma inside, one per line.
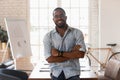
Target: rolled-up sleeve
(80,40)
(47,46)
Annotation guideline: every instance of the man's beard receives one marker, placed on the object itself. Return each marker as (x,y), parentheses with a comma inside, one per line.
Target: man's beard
(62,25)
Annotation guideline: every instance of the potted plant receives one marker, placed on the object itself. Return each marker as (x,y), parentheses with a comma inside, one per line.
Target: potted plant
(3,37)
(3,42)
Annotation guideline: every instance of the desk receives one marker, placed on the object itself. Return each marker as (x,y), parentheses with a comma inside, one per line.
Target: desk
(45,75)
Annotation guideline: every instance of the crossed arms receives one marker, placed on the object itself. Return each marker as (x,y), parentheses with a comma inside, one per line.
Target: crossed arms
(73,54)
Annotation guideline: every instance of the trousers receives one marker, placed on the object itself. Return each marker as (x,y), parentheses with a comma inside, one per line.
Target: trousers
(62,77)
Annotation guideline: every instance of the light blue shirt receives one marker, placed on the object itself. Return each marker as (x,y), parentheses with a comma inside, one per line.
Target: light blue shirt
(71,38)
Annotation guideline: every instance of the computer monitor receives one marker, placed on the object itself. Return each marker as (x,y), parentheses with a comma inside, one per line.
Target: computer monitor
(19,37)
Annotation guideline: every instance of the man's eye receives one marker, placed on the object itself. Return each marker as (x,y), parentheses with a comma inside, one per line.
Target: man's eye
(60,16)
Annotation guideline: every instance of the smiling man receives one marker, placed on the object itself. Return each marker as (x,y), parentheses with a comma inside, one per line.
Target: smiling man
(63,46)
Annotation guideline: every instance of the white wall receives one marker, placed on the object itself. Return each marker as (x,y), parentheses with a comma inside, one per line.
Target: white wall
(14,9)
(110,21)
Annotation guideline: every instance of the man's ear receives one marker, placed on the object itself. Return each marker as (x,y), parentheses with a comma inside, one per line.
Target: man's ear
(53,19)
(66,17)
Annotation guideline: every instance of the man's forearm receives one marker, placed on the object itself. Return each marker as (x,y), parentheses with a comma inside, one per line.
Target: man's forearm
(53,59)
(74,54)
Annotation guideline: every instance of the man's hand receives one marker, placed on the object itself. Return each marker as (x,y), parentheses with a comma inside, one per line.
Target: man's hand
(76,47)
(54,52)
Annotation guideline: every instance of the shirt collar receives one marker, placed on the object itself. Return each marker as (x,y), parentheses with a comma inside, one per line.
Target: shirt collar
(68,29)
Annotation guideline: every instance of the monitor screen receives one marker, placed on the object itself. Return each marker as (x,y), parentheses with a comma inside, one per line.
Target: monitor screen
(19,37)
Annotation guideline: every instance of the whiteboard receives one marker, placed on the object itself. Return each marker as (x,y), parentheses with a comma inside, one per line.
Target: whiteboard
(19,37)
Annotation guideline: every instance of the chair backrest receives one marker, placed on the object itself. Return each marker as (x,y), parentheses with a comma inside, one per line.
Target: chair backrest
(113,69)
(19,75)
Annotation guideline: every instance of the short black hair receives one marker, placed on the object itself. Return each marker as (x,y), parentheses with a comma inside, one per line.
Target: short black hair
(59,8)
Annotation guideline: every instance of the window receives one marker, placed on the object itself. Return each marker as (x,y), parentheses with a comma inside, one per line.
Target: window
(41,21)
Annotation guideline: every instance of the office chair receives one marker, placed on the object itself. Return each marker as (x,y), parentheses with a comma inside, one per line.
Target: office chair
(8,74)
(112,71)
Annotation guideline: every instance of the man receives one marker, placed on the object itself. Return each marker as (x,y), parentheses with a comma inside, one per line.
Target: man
(63,47)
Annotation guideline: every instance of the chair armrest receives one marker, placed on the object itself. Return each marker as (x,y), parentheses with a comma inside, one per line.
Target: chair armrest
(16,73)
(8,77)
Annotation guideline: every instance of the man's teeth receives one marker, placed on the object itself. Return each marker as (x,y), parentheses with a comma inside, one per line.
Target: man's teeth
(59,21)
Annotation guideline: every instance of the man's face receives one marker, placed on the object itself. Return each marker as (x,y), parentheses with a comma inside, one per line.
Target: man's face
(59,18)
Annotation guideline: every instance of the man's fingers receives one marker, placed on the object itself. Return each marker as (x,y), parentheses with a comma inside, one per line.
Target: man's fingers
(76,47)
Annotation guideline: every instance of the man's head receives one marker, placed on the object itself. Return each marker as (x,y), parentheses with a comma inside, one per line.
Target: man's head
(59,17)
